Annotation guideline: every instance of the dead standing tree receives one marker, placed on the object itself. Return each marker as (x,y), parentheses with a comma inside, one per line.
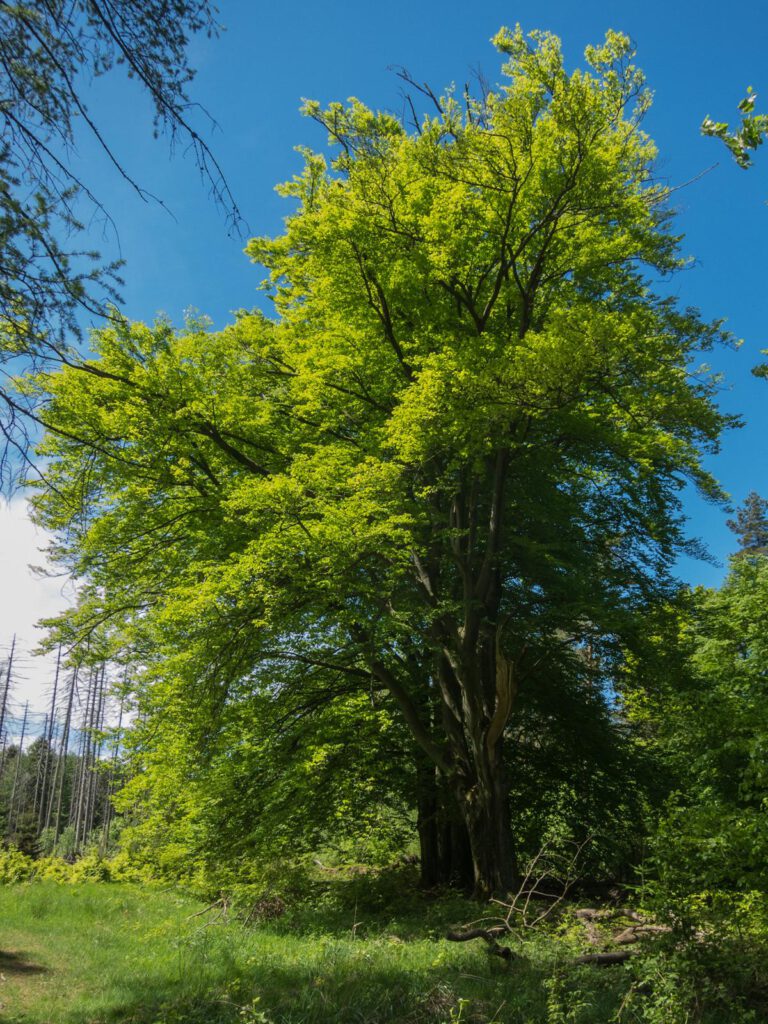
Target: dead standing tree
(5,683)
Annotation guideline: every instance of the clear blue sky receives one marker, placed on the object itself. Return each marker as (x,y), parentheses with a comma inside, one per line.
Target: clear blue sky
(698,56)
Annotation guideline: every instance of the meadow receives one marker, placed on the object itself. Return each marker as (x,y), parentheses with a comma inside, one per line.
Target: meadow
(101,953)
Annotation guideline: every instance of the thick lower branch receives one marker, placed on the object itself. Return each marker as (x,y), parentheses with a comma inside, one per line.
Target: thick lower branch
(411,715)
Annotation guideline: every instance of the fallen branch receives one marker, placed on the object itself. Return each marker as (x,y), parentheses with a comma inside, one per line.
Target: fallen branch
(609,914)
(523,911)
(211,906)
(589,917)
(606,959)
(637,931)
(627,936)
(221,904)
(489,935)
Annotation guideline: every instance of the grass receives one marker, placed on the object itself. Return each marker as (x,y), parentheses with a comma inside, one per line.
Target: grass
(99,953)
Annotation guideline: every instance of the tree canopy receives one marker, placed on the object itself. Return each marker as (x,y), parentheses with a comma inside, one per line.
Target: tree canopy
(445,474)
(50,282)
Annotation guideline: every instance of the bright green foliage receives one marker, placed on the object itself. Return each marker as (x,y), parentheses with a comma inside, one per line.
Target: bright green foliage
(715,729)
(15,866)
(748,136)
(272,782)
(447,470)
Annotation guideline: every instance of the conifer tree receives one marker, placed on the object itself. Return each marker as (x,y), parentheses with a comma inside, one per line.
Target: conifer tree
(751,525)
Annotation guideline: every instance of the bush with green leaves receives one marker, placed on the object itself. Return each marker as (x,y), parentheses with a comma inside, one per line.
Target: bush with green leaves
(15,866)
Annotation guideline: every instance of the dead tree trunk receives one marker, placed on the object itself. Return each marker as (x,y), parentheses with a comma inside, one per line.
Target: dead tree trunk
(97,724)
(48,765)
(12,818)
(57,790)
(40,768)
(107,818)
(78,808)
(4,702)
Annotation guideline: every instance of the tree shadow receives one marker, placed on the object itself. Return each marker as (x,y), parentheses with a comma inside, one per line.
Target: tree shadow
(19,963)
(387,902)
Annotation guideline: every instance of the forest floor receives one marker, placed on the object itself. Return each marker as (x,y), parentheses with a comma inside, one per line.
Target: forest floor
(102,953)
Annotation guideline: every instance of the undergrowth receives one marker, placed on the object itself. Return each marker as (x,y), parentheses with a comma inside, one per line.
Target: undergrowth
(354,948)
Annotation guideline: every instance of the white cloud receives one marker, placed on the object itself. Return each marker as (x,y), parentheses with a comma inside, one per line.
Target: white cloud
(26,598)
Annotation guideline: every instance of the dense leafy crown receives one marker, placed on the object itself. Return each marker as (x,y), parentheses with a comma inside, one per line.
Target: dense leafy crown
(470,411)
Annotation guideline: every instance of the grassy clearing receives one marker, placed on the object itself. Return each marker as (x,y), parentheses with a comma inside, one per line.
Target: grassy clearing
(98,953)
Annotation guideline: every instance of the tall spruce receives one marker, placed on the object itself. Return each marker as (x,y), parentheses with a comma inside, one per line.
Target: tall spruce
(751,525)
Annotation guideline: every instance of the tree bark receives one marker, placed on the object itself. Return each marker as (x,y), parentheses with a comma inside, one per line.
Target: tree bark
(479,687)
(484,804)
(445,851)
(427,822)
(473,678)
(456,855)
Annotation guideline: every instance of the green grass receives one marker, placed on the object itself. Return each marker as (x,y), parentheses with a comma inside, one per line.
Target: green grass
(103,953)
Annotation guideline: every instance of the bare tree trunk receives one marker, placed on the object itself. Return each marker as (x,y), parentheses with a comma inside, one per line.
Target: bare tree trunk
(97,724)
(11,819)
(37,799)
(77,806)
(107,822)
(61,762)
(4,702)
(42,821)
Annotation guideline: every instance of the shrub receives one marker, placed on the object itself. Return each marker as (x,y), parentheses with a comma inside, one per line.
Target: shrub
(15,866)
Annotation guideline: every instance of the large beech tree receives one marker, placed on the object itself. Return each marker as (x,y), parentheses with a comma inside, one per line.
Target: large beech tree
(447,469)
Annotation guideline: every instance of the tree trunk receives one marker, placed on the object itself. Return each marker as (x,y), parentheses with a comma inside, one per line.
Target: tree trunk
(427,823)
(485,809)
(489,830)
(12,820)
(456,853)
(464,822)
(487,685)
(6,688)
(61,763)
(445,850)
